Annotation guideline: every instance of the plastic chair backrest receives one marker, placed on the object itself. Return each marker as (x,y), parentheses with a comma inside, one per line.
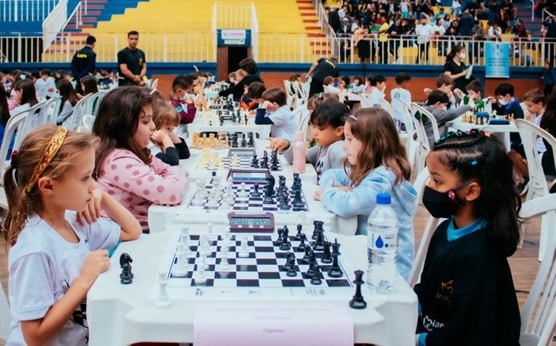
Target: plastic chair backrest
(364,101)
(425,116)
(529,134)
(411,145)
(5,317)
(154,84)
(93,102)
(538,315)
(432,223)
(51,110)
(15,123)
(291,98)
(73,121)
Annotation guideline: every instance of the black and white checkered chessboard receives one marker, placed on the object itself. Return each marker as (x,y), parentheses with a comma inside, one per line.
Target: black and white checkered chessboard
(244,199)
(229,162)
(261,267)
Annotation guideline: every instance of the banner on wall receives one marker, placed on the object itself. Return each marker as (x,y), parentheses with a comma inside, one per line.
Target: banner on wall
(233,37)
(497,60)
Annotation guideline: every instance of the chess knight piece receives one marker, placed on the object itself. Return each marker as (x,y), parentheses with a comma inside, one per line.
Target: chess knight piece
(126,277)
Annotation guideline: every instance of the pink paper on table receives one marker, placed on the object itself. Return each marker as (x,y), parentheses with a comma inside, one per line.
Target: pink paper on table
(272,323)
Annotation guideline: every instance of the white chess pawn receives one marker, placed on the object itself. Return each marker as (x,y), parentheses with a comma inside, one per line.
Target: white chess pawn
(204,246)
(244,247)
(162,300)
(184,235)
(180,269)
(224,263)
(200,275)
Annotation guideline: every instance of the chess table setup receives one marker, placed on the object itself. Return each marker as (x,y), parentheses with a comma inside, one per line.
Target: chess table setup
(498,125)
(212,159)
(179,274)
(222,140)
(211,261)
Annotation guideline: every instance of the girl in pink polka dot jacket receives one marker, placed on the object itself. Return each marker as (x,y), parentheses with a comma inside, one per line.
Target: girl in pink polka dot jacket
(125,167)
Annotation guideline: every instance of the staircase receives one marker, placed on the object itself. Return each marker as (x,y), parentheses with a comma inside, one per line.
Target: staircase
(313,28)
(524,13)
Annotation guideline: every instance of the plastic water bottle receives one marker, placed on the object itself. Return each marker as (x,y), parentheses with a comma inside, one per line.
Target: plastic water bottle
(299,148)
(382,246)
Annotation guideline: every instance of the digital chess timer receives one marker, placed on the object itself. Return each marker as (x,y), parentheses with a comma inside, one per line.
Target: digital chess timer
(251,222)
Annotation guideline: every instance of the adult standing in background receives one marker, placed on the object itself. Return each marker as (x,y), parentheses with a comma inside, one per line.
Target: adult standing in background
(248,69)
(319,70)
(132,63)
(84,61)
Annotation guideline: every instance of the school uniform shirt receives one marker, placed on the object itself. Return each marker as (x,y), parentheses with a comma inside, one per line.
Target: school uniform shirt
(466,294)
(361,200)
(42,266)
(137,185)
(396,95)
(322,158)
(283,122)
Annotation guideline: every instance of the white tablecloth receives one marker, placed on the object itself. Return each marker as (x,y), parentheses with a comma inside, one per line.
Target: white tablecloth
(200,125)
(123,314)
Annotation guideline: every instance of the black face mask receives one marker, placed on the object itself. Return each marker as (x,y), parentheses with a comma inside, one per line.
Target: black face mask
(442,204)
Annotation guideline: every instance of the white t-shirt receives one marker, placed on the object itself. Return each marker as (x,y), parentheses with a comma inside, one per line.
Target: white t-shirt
(285,123)
(42,265)
(375,97)
(40,88)
(396,95)
(536,119)
(423,33)
(50,83)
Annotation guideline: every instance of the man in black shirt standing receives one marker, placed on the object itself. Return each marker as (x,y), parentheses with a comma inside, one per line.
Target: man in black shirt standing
(83,62)
(319,70)
(132,64)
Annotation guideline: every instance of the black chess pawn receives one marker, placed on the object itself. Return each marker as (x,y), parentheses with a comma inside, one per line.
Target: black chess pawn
(251,142)
(299,228)
(335,271)
(243,141)
(284,202)
(357,302)
(308,252)
(298,204)
(285,245)
(278,241)
(212,177)
(255,161)
(126,276)
(326,255)
(256,194)
(302,246)
(316,277)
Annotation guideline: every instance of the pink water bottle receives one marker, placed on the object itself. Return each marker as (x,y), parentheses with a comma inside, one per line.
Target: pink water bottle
(299,149)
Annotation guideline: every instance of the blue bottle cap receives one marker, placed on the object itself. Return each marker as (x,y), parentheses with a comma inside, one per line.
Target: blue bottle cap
(383,198)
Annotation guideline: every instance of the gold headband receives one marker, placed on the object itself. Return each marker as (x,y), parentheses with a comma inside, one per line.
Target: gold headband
(51,150)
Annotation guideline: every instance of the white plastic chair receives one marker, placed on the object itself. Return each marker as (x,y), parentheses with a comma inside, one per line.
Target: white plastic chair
(92,103)
(154,84)
(364,101)
(291,98)
(5,317)
(15,123)
(411,144)
(80,108)
(302,114)
(386,106)
(537,186)
(418,116)
(86,124)
(432,223)
(51,110)
(538,315)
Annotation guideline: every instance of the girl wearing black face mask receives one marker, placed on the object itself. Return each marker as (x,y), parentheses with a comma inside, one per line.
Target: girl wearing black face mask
(466,293)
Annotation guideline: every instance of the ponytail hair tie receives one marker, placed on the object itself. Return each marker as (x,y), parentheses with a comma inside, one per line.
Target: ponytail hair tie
(13,160)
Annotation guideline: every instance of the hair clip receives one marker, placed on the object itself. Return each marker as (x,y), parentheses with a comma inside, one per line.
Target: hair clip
(353,117)
(13,159)
(474,163)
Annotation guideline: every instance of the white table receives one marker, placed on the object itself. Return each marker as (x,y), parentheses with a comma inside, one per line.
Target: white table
(200,125)
(503,130)
(124,314)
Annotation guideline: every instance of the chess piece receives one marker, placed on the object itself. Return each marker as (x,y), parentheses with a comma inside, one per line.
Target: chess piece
(162,300)
(335,271)
(269,190)
(357,302)
(180,269)
(301,247)
(326,255)
(316,277)
(336,247)
(200,276)
(319,242)
(256,194)
(243,248)
(126,277)
(255,161)
(274,161)
(299,228)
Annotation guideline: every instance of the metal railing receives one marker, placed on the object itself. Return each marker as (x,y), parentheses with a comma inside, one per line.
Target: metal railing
(25,10)
(273,48)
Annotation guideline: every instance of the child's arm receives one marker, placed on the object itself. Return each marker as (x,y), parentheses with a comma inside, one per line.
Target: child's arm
(261,118)
(183,149)
(40,331)
(451,114)
(130,227)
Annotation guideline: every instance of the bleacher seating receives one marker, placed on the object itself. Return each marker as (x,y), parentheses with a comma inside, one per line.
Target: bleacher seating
(275,20)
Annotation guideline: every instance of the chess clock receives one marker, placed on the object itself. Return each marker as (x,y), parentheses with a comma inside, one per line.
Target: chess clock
(246,223)
(248,175)
(241,152)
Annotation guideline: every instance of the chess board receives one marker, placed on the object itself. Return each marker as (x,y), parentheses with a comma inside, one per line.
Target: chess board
(244,199)
(262,267)
(228,162)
